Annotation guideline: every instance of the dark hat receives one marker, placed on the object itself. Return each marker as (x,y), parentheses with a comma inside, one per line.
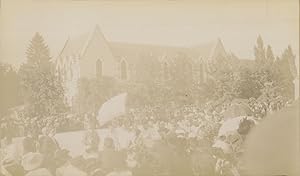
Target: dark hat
(79,162)
(62,156)
(63,153)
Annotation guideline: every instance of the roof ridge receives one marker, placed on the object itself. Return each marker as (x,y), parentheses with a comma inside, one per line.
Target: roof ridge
(66,42)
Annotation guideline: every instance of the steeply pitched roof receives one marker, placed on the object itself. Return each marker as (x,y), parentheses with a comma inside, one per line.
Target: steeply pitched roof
(131,52)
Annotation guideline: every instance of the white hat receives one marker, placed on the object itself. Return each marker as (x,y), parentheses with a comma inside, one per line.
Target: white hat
(32,161)
(222,145)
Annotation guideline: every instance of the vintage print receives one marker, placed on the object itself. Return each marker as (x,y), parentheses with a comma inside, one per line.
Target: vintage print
(149,88)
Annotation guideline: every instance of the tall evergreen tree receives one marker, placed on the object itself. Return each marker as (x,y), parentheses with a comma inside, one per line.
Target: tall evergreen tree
(269,55)
(259,51)
(42,90)
(38,53)
(287,71)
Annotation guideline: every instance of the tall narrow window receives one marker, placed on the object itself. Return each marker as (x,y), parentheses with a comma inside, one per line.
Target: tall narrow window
(123,70)
(98,68)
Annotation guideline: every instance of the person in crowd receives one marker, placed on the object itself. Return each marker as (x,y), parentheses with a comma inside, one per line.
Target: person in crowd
(33,165)
(47,147)
(181,163)
(11,167)
(74,167)
(109,155)
(29,143)
(62,161)
(11,149)
(202,160)
(91,141)
(52,134)
(120,168)
(47,143)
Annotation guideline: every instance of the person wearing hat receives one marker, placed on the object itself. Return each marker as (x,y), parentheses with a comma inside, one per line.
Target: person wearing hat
(109,156)
(75,167)
(32,164)
(120,168)
(91,140)
(10,167)
(29,143)
(224,155)
(62,159)
(48,146)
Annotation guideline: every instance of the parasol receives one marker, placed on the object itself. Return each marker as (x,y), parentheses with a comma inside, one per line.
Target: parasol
(112,108)
(232,125)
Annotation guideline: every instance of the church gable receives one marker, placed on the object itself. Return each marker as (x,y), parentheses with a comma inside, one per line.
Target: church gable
(218,51)
(97,49)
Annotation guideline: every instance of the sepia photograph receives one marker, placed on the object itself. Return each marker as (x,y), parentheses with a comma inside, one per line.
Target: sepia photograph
(149,88)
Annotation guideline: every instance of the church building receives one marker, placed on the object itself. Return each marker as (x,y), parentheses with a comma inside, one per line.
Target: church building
(91,56)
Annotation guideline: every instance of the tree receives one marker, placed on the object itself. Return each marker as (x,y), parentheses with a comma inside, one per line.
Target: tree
(38,54)
(9,89)
(181,78)
(249,85)
(147,70)
(259,51)
(269,55)
(92,93)
(41,88)
(286,71)
(181,72)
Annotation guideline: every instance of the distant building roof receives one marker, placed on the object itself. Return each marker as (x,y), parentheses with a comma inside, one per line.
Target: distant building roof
(75,46)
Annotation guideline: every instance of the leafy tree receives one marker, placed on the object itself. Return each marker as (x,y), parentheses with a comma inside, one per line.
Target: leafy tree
(9,89)
(93,92)
(249,86)
(181,72)
(181,77)
(147,69)
(286,71)
(41,88)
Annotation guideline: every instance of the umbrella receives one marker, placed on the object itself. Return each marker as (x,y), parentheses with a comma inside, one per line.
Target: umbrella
(112,108)
(272,147)
(232,125)
(237,109)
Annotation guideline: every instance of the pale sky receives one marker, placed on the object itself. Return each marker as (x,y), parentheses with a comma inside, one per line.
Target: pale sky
(236,22)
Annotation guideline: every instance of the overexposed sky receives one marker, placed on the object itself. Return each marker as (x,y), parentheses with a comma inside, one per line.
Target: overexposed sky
(178,23)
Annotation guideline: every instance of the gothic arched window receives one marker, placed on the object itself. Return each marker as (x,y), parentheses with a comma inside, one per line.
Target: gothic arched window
(98,68)
(123,70)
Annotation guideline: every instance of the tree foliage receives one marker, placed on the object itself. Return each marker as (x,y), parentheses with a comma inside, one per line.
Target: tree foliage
(42,91)
(93,92)
(286,71)
(147,70)
(259,51)
(9,89)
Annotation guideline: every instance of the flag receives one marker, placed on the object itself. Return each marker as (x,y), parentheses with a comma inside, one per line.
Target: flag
(112,108)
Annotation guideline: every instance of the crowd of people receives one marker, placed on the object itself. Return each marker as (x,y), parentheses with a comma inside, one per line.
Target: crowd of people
(148,141)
